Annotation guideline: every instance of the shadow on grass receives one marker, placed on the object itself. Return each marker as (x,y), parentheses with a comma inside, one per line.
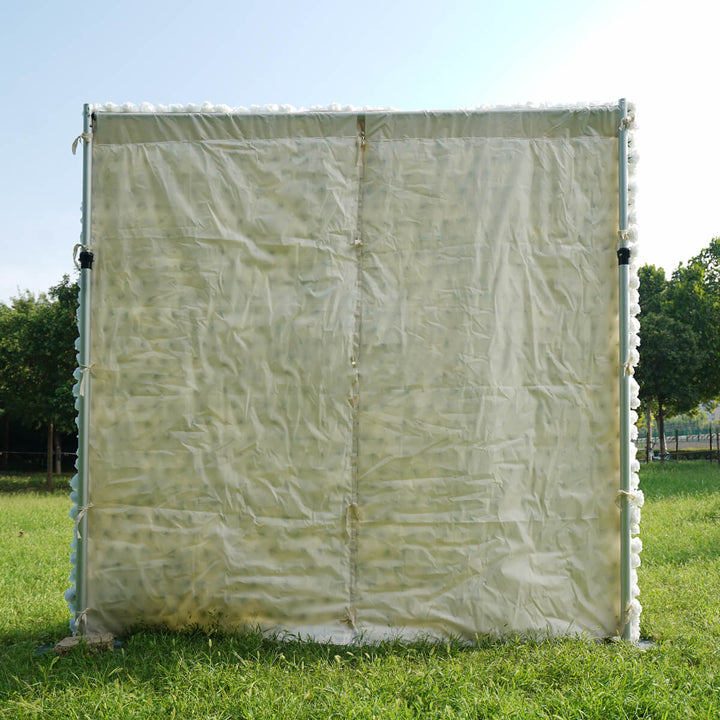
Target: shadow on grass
(679,478)
(255,646)
(152,657)
(36,637)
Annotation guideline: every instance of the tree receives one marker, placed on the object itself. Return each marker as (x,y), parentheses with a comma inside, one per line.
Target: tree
(697,289)
(709,260)
(668,355)
(37,360)
(680,337)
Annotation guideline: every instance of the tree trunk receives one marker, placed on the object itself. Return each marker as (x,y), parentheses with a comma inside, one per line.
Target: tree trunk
(49,473)
(648,434)
(6,443)
(58,453)
(661,430)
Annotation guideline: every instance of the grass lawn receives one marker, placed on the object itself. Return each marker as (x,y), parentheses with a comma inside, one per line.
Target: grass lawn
(199,675)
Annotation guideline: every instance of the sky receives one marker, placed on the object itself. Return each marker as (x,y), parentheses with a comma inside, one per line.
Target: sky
(409,55)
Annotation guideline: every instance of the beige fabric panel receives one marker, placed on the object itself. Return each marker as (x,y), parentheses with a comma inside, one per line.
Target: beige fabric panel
(489,449)
(228,299)
(222,328)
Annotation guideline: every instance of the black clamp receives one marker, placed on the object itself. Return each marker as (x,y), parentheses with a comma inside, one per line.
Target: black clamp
(623,256)
(86,260)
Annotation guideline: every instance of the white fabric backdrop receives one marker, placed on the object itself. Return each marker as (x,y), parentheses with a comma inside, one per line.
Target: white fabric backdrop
(355,374)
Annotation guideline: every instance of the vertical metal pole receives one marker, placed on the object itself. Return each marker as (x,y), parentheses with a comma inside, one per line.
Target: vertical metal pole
(83,420)
(624,281)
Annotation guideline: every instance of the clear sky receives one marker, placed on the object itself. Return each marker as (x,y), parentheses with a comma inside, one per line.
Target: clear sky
(410,54)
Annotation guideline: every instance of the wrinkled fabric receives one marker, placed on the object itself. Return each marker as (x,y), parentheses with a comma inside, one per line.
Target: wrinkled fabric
(355,374)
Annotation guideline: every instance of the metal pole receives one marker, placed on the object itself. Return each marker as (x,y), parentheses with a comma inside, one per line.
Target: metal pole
(83,421)
(624,285)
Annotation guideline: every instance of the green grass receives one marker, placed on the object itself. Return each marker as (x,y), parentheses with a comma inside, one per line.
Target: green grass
(202,675)
(35,535)
(13,483)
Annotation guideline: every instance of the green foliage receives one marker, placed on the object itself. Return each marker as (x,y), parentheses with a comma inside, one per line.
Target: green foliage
(669,358)
(680,336)
(37,357)
(709,260)
(214,675)
(694,297)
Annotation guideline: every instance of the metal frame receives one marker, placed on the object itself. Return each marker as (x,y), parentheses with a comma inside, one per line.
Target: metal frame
(624,378)
(83,420)
(624,286)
